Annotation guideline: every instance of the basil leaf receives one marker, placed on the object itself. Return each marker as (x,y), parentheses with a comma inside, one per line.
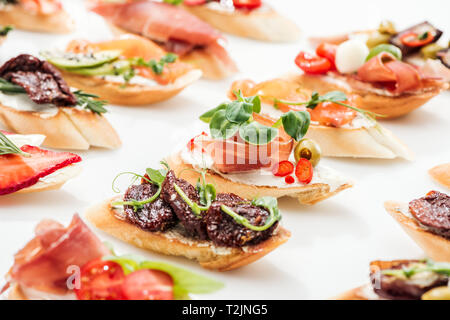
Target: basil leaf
(220,127)
(239,112)
(333,96)
(296,123)
(155,176)
(207,116)
(257,134)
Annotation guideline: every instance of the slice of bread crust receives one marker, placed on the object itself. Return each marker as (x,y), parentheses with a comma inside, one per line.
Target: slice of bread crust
(21,18)
(69,128)
(435,247)
(265,24)
(388,106)
(173,243)
(441,174)
(15,293)
(130,94)
(353,294)
(308,194)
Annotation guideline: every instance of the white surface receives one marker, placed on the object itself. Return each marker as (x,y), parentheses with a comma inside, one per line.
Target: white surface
(332,242)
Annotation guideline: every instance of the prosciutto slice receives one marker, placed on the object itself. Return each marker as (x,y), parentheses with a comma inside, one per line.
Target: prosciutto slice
(386,69)
(42,264)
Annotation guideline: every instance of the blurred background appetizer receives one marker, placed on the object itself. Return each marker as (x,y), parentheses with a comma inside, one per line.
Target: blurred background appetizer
(337,125)
(4,32)
(34,98)
(36,15)
(404,280)
(168,215)
(71,263)
(245,18)
(441,174)
(173,29)
(427,221)
(251,154)
(129,70)
(25,168)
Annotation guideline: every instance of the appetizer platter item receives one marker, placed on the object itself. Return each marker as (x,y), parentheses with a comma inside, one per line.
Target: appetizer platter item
(404,280)
(427,221)
(378,78)
(193,40)
(129,70)
(253,155)
(341,129)
(4,32)
(52,266)
(25,168)
(36,15)
(168,215)
(441,174)
(245,18)
(34,98)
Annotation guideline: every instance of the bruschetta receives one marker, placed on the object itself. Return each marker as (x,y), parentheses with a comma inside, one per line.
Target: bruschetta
(253,155)
(52,267)
(339,130)
(251,19)
(25,168)
(403,280)
(441,174)
(168,215)
(427,221)
(129,70)
(34,98)
(193,40)
(36,15)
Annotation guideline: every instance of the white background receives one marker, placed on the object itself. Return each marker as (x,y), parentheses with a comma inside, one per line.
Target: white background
(332,242)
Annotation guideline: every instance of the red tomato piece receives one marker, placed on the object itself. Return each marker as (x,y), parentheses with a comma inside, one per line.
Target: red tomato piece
(194,2)
(327,50)
(247,4)
(148,284)
(304,171)
(412,39)
(312,64)
(101,280)
(289,179)
(283,168)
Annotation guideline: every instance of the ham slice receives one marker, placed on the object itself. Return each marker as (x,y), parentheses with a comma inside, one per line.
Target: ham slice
(42,264)
(386,69)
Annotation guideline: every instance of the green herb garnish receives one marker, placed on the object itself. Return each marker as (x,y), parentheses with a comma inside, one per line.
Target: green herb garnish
(156,66)
(5,30)
(173,2)
(427,265)
(423,36)
(8,147)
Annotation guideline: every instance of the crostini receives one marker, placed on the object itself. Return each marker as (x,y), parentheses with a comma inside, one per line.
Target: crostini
(4,32)
(251,154)
(168,215)
(252,19)
(340,129)
(378,78)
(34,98)
(193,40)
(129,70)
(25,168)
(52,267)
(427,221)
(441,174)
(404,280)
(36,15)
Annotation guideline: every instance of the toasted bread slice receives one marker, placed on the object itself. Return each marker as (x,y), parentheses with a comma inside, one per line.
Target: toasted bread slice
(130,94)
(441,174)
(68,128)
(16,293)
(308,194)
(21,18)
(435,247)
(174,243)
(261,24)
(386,105)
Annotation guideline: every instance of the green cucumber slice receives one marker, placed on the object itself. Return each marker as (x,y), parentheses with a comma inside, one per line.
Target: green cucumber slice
(68,60)
(395,51)
(113,68)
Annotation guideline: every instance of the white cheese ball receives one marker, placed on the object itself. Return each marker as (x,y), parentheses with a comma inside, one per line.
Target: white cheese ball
(350,55)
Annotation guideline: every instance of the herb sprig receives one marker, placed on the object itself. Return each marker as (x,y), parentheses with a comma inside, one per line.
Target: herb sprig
(427,265)
(5,30)
(156,66)
(8,147)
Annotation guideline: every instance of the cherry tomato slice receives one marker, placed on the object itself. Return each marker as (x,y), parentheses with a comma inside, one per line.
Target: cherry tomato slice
(148,284)
(304,171)
(327,50)
(312,64)
(412,39)
(194,2)
(289,179)
(247,4)
(283,168)
(101,280)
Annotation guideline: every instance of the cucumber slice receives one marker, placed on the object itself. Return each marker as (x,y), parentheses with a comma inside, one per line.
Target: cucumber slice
(68,60)
(114,68)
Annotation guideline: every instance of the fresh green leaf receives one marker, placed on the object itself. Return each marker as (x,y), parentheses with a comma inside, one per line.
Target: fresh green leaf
(238,112)
(5,30)
(156,66)
(256,102)
(156,176)
(8,147)
(257,134)
(173,2)
(220,127)
(207,192)
(333,96)
(296,123)
(207,116)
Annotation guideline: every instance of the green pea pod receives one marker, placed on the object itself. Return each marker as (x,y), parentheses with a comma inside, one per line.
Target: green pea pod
(395,51)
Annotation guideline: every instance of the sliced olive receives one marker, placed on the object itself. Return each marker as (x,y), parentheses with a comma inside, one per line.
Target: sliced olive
(68,60)
(308,149)
(387,27)
(375,38)
(115,68)
(430,51)
(439,293)
(395,51)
